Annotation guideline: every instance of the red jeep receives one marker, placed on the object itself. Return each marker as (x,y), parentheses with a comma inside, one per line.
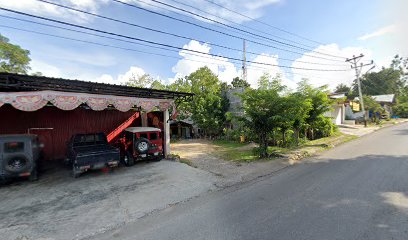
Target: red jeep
(140,143)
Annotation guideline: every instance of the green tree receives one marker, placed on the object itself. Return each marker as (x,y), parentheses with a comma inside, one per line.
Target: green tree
(239,83)
(142,81)
(401,110)
(386,81)
(264,113)
(298,111)
(13,58)
(208,106)
(316,123)
(372,106)
(342,88)
(157,84)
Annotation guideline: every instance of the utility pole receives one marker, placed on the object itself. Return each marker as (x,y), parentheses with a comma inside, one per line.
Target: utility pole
(244,68)
(354,60)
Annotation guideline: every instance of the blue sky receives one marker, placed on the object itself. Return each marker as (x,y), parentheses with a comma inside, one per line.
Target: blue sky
(375,28)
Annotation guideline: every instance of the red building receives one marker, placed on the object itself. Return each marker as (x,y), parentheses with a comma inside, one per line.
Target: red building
(56,109)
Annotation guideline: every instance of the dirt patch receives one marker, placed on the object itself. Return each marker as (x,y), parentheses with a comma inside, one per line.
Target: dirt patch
(204,155)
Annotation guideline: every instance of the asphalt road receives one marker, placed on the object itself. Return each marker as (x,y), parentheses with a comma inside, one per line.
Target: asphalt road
(356,191)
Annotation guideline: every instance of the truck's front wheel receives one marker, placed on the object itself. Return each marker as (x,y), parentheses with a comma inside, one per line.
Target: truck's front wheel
(129,160)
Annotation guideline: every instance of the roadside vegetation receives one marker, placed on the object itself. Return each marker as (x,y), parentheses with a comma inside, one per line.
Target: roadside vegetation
(248,152)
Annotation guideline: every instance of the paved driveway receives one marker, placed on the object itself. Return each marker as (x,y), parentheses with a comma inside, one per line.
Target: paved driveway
(60,207)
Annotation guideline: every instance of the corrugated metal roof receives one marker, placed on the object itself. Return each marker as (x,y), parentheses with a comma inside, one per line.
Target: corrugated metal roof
(142,129)
(384,98)
(381,98)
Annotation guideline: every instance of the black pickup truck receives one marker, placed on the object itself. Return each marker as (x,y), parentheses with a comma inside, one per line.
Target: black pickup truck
(91,151)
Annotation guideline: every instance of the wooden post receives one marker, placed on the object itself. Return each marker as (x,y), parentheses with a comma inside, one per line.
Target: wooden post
(166,134)
(144,119)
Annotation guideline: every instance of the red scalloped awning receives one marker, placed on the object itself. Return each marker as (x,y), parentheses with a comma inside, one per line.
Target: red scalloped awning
(32,101)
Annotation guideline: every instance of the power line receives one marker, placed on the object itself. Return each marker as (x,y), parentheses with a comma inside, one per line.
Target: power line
(163,44)
(141,51)
(223,33)
(116,39)
(112,46)
(168,33)
(150,53)
(238,29)
(239,24)
(264,23)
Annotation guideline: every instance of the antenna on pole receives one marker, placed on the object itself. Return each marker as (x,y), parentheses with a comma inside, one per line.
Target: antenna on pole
(244,68)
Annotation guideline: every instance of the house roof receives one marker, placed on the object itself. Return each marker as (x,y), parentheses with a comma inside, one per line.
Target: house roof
(336,95)
(142,129)
(387,98)
(384,98)
(10,82)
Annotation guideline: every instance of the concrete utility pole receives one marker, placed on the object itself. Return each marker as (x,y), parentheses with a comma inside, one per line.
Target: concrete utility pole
(244,68)
(354,60)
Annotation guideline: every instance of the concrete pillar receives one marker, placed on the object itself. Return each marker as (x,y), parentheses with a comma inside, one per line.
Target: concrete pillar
(144,119)
(166,133)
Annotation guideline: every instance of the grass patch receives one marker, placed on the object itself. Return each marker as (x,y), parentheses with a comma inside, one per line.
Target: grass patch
(243,152)
(228,144)
(234,151)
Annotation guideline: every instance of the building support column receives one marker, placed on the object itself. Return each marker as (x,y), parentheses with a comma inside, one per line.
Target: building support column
(144,119)
(166,123)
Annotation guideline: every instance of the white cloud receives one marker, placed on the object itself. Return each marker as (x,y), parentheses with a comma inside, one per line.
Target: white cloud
(255,71)
(225,69)
(45,68)
(253,8)
(331,78)
(379,32)
(121,78)
(190,62)
(44,9)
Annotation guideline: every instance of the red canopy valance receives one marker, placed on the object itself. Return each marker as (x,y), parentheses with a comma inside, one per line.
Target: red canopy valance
(32,101)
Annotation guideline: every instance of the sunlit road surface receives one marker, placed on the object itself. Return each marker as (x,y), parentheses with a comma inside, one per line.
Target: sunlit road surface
(356,191)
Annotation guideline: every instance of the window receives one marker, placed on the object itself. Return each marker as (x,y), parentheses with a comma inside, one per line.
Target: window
(143,135)
(153,136)
(100,139)
(13,147)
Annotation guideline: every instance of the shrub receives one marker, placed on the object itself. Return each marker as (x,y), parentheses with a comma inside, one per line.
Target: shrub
(401,110)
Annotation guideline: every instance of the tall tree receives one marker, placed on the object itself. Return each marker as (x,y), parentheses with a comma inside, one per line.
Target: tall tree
(13,58)
(143,81)
(342,88)
(207,108)
(239,83)
(385,81)
(157,84)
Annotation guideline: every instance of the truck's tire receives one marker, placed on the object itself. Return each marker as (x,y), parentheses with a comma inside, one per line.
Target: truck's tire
(75,172)
(129,160)
(142,145)
(33,176)
(17,163)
